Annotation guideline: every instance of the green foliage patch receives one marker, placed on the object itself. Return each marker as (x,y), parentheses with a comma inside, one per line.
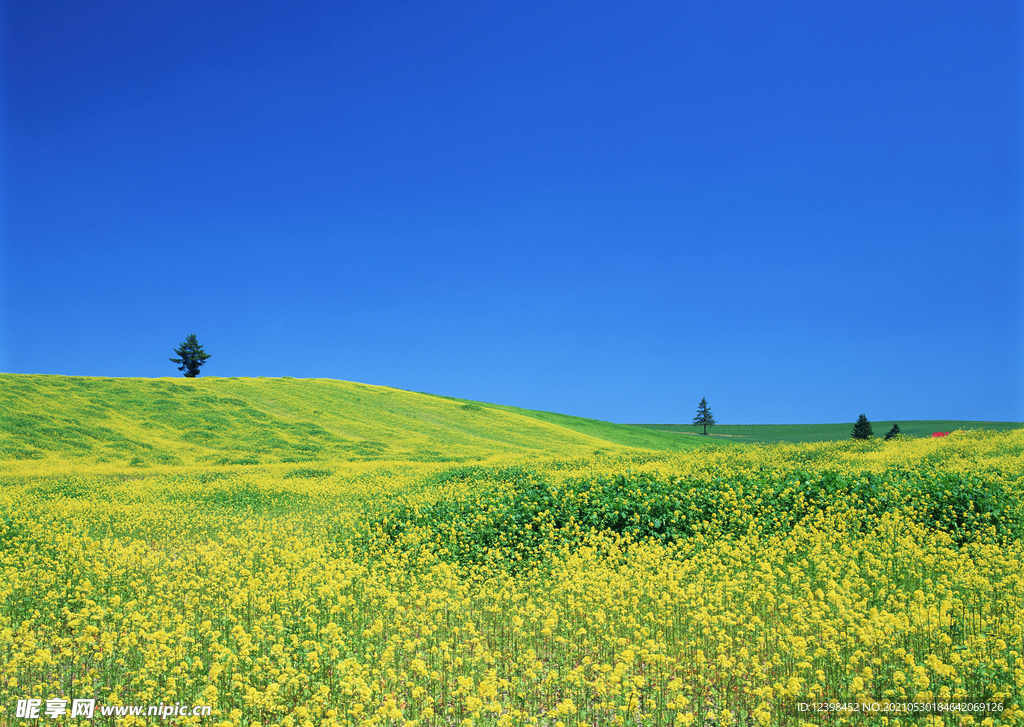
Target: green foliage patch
(517,514)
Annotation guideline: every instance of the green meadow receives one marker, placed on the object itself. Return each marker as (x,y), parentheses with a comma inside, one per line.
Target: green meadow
(796,433)
(230,421)
(254,421)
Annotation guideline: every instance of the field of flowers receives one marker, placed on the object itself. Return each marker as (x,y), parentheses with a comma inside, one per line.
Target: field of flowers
(711,587)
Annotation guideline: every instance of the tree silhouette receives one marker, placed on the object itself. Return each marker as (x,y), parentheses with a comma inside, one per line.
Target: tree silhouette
(703,417)
(192,356)
(862,429)
(893,432)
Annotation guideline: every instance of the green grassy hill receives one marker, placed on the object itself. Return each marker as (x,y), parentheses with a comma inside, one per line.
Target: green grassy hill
(768,433)
(217,421)
(628,435)
(211,421)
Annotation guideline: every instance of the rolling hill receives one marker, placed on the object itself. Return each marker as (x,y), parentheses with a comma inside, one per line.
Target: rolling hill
(232,421)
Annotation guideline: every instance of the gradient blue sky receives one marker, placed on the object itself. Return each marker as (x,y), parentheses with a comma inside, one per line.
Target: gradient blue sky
(801,211)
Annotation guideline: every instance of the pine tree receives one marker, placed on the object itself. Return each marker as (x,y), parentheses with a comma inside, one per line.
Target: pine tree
(703,416)
(893,432)
(862,429)
(192,356)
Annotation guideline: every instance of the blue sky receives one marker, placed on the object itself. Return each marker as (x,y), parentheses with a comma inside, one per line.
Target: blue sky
(801,211)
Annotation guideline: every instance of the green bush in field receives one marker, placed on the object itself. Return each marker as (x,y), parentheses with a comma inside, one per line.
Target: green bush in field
(521,515)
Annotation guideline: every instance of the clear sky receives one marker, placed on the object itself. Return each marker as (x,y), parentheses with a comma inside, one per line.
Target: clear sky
(802,211)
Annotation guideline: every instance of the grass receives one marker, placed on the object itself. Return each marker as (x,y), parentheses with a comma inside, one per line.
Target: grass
(627,435)
(225,422)
(173,422)
(795,433)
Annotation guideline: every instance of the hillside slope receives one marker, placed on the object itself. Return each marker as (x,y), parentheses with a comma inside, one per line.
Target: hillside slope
(628,435)
(207,420)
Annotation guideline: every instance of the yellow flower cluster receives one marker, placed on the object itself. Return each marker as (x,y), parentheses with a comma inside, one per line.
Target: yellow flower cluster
(268,593)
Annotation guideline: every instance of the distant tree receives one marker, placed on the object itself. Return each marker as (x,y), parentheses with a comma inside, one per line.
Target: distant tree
(703,417)
(893,432)
(862,429)
(192,356)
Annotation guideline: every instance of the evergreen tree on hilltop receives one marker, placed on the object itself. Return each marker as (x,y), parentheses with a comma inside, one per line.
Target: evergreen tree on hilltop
(862,429)
(703,416)
(893,432)
(192,356)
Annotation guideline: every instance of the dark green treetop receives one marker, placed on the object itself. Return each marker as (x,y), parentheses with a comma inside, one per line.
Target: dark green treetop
(703,417)
(192,356)
(893,432)
(862,429)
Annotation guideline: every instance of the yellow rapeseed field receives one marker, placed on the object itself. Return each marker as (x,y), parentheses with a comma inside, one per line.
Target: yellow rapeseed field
(714,587)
